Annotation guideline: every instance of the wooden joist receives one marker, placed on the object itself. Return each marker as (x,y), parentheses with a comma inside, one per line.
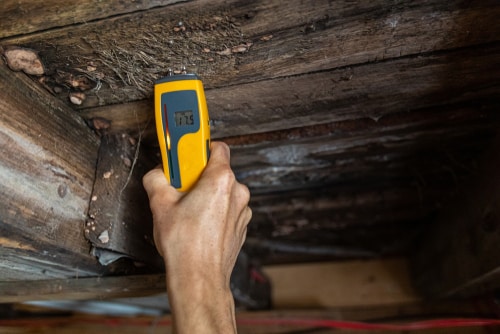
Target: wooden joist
(369,91)
(46,173)
(339,152)
(370,276)
(82,288)
(232,42)
(370,215)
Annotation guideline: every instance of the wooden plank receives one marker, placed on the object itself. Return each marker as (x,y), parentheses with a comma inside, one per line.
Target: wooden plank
(380,282)
(459,254)
(340,152)
(25,16)
(359,174)
(343,284)
(229,42)
(31,258)
(82,288)
(119,216)
(46,172)
(369,91)
(393,185)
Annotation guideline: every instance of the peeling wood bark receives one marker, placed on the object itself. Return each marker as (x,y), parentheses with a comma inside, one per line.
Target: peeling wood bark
(19,17)
(125,55)
(46,172)
(119,216)
(459,253)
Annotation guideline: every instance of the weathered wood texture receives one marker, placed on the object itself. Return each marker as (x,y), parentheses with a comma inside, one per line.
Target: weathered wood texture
(377,282)
(459,254)
(46,172)
(82,288)
(369,185)
(377,151)
(229,42)
(119,219)
(358,92)
(19,17)
(352,122)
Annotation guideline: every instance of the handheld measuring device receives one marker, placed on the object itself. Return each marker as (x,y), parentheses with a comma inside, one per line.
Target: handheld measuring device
(183,128)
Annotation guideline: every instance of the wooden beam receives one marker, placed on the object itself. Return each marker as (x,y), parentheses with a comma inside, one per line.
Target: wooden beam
(24,17)
(82,288)
(340,152)
(360,182)
(368,91)
(374,282)
(392,185)
(459,254)
(47,173)
(234,42)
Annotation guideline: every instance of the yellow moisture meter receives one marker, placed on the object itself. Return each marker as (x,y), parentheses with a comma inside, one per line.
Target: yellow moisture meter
(183,128)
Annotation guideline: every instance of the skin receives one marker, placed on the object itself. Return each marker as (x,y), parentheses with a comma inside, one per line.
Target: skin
(199,235)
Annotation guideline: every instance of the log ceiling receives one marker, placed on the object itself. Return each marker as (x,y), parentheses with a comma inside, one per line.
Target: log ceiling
(352,122)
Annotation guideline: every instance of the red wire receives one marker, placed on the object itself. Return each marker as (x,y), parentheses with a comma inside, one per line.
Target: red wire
(429,324)
(303,322)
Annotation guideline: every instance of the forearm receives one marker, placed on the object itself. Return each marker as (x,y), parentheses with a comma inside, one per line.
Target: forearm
(200,305)
(199,235)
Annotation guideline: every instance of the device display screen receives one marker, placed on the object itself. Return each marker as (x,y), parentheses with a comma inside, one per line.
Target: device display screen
(183,118)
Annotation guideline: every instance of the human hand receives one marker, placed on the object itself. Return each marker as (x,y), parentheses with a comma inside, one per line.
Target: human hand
(200,233)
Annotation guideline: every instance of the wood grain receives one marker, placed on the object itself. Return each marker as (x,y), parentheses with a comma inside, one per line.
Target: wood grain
(46,172)
(361,182)
(234,42)
(368,91)
(20,17)
(83,288)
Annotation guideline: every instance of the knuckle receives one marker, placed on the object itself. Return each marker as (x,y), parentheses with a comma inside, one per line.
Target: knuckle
(226,177)
(244,193)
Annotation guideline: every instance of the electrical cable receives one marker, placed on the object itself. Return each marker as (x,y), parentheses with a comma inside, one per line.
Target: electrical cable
(257,321)
(339,324)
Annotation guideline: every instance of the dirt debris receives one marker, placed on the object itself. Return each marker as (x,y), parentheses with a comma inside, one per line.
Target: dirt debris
(77,98)
(23,59)
(100,125)
(104,237)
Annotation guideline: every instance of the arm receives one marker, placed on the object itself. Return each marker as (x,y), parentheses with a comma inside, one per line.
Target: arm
(199,234)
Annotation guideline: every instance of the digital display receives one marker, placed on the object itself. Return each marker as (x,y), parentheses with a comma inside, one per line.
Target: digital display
(183,118)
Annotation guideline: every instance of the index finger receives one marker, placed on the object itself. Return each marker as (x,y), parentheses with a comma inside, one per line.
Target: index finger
(155,182)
